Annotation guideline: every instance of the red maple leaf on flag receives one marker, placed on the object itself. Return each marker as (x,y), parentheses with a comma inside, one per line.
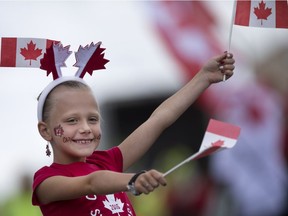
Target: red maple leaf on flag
(31,53)
(262,12)
(218,143)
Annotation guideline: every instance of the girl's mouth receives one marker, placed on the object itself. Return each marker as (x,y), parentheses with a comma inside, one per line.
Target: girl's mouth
(84,141)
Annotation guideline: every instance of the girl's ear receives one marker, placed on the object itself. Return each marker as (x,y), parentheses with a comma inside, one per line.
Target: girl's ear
(44,131)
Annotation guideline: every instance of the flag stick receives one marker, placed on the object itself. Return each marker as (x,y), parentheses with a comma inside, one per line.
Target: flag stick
(231,25)
(197,155)
(231,30)
(180,164)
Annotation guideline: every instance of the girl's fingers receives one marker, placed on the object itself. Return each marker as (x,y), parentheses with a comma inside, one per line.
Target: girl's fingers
(228,61)
(157,176)
(223,56)
(150,180)
(227,67)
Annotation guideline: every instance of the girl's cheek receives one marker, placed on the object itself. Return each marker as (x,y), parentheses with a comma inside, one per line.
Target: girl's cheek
(58,131)
(66,139)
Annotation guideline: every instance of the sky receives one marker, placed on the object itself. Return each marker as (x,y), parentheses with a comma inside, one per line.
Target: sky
(139,64)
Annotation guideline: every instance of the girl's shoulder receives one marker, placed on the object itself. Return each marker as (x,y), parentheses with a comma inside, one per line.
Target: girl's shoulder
(110,159)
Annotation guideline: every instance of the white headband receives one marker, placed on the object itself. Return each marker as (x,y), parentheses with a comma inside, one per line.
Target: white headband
(49,88)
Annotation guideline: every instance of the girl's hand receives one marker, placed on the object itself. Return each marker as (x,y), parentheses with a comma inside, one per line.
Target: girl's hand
(219,68)
(148,181)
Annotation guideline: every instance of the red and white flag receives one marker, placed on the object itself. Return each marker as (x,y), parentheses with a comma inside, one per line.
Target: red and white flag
(219,135)
(22,52)
(256,13)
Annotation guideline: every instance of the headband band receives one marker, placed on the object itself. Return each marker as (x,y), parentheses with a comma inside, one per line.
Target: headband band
(49,88)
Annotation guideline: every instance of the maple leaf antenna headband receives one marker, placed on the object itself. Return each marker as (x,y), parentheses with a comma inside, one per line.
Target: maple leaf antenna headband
(88,59)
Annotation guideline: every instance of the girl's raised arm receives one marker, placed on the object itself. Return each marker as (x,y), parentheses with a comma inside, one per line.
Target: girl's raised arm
(139,141)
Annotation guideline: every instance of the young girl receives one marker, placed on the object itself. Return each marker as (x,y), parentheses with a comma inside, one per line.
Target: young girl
(84,181)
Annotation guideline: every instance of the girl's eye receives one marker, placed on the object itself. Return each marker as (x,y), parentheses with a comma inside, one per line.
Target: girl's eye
(71,121)
(94,119)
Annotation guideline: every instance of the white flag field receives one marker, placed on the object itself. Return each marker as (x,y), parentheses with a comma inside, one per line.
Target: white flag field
(218,136)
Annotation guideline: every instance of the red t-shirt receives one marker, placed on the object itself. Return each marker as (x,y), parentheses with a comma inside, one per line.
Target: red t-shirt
(93,205)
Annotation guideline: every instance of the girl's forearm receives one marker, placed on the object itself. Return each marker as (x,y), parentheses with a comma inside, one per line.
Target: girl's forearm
(107,182)
(173,107)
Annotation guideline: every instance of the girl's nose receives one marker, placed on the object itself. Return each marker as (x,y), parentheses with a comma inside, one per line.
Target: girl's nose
(85,128)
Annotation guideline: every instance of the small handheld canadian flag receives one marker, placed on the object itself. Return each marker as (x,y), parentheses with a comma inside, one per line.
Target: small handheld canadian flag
(270,14)
(259,13)
(219,135)
(22,52)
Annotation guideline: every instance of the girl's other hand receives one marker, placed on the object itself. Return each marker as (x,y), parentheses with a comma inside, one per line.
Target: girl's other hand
(219,68)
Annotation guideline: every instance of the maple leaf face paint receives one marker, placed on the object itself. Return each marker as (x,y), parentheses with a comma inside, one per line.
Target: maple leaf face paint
(58,131)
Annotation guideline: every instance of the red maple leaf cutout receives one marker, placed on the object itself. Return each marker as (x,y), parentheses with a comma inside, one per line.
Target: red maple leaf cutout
(31,53)
(218,143)
(48,63)
(262,12)
(96,60)
(52,65)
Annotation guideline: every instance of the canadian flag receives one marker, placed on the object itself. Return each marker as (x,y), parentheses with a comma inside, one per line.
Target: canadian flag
(22,52)
(270,14)
(220,134)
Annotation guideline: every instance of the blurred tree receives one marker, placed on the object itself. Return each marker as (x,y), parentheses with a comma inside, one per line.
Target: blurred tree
(20,203)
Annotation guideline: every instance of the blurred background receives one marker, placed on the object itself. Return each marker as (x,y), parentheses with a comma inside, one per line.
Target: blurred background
(154,48)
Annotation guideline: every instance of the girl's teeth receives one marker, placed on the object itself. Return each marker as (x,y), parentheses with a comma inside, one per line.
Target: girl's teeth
(83,141)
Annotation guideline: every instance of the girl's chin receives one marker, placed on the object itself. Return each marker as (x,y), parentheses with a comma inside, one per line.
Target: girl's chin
(86,153)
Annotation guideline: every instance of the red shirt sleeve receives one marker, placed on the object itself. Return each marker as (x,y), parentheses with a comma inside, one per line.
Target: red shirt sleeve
(104,160)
